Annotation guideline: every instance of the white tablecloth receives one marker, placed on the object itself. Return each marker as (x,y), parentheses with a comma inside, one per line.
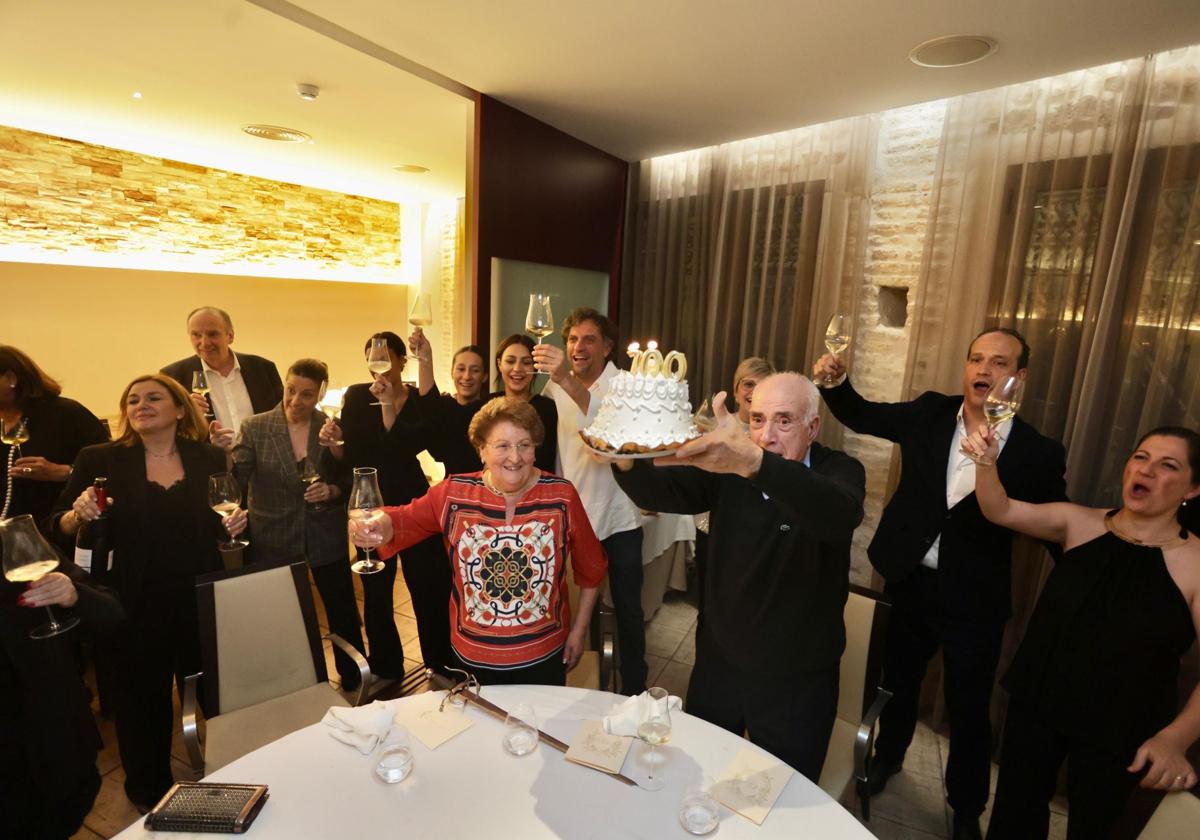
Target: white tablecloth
(471,788)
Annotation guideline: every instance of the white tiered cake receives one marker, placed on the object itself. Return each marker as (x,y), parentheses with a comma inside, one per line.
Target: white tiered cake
(646,408)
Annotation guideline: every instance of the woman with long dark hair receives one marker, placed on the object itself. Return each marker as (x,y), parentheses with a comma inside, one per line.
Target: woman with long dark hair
(515,371)
(447,416)
(1094,681)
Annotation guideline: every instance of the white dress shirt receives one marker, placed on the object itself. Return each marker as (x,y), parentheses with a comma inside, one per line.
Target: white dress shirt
(608,508)
(230,399)
(960,476)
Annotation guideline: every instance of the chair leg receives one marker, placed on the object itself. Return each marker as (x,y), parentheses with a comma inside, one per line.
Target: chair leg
(864,799)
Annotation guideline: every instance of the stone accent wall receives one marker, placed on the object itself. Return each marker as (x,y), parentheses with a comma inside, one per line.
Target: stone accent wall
(900,191)
(60,197)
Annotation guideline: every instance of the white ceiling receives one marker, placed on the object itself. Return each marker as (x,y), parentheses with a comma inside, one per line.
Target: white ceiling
(634,77)
(207,67)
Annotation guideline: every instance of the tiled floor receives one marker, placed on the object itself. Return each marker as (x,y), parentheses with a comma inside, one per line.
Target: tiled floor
(911,808)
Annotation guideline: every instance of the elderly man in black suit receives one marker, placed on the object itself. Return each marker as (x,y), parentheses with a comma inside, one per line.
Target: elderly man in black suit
(240,385)
(947,569)
(784,509)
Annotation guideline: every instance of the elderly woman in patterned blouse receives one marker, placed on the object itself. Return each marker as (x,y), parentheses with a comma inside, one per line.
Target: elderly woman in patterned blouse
(509,530)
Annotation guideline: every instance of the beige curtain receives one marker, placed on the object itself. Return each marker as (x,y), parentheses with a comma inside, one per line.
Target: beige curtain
(746,249)
(1069,208)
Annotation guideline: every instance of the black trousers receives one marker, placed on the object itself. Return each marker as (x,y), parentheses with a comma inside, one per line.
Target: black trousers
(336,589)
(790,716)
(427,575)
(156,647)
(918,625)
(624,551)
(550,671)
(383,639)
(30,812)
(1098,785)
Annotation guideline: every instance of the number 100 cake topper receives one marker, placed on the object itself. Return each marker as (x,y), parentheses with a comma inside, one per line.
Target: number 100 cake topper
(650,362)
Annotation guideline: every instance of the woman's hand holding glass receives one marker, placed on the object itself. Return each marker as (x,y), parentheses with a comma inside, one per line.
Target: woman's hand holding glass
(418,345)
(236,522)
(828,370)
(52,590)
(37,468)
(371,530)
(383,389)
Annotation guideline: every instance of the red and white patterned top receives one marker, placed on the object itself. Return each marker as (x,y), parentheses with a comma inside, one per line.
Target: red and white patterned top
(508,603)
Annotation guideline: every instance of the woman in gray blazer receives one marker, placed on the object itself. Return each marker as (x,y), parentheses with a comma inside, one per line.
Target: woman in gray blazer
(291,518)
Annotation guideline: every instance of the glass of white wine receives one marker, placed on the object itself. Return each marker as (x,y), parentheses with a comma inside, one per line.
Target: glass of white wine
(654,727)
(310,475)
(539,320)
(14,434)
(330,403)
(837,337)
(225,497)
(420,316)
(379,359)
(364,506)
(1003,400)
(200,386)
(28,557)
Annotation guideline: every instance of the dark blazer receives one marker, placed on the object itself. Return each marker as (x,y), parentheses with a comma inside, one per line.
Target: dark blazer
(132,534)
(260,375)
(282,525)
(391,451)
(974,556)
(58,429)
(778,554)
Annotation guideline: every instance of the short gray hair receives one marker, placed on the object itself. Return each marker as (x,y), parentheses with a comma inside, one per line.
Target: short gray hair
(221,312)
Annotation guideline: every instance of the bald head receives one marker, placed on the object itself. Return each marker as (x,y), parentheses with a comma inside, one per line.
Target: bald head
(783,415)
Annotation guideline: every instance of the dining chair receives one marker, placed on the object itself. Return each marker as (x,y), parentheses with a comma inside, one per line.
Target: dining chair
(860,699)
(1178,815)
(264,663)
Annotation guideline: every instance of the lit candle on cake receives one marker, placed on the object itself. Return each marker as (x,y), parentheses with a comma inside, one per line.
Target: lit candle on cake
(678,361)
(635,353)
(652,360)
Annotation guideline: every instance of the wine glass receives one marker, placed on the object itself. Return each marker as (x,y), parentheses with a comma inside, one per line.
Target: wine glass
(1003,400)
(654,727)
(330,402)
(365,504)
(310,475)
(379,359)
(28,557)
(837,336)
(225,497)
(539,320)
(14,434)
(704,418)
(420,316)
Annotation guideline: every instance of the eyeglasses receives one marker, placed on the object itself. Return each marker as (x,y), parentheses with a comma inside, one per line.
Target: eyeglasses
(504,448)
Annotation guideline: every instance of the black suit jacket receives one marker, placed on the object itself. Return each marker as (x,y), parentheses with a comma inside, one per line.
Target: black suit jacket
(132,532)
(974,556)
(260,375)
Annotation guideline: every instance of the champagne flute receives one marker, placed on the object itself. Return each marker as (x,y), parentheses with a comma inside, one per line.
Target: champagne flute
(654,727)
(200,386)
(420,316)
(539,320)
(365,504)
(14,434)
(837,337)
(310,475)
(28,557)
(1003,400)
(225,497)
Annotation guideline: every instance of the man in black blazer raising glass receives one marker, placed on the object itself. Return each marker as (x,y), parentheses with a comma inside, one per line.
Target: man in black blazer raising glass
(947,569)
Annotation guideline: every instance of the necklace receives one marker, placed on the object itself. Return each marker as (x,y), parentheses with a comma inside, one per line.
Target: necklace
(166,454)
(487,482)
(1180,539)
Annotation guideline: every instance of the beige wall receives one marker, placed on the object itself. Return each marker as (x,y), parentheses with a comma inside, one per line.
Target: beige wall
(94,329)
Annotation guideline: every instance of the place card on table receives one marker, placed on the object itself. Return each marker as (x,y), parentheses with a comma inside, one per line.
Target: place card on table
(595,748)
(751,784)
(431,727)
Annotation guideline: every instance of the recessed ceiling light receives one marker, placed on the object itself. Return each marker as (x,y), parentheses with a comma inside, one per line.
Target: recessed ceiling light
(952,51)
(412,168)
(308,92)
(276,132)
(137,94)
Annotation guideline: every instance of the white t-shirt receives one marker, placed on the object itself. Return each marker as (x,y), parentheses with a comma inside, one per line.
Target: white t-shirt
(230,399)
(607,506)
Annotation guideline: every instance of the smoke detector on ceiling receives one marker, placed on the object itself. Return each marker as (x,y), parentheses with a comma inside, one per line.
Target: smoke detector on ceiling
(952,51)
(308,92)
(276,132)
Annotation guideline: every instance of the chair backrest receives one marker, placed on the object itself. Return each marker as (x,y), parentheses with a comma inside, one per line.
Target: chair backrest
(865,618)
(1176,816)
(259,636)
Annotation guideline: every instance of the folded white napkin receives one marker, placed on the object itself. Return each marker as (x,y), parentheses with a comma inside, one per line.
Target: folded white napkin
(362,727)
(623,718)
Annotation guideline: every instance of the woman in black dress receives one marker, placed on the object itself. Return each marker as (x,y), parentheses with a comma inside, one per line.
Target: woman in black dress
(382,427)
(58,428)
(515,370)
(48,737)
(1095,679)
(163,534)
(448,416)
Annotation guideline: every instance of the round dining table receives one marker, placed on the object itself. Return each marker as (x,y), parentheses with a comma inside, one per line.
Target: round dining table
(470,787)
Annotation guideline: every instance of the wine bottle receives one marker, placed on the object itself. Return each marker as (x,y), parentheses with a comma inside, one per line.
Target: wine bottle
(93,543)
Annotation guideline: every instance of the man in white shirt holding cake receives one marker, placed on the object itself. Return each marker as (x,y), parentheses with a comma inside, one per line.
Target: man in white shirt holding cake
(579,379)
